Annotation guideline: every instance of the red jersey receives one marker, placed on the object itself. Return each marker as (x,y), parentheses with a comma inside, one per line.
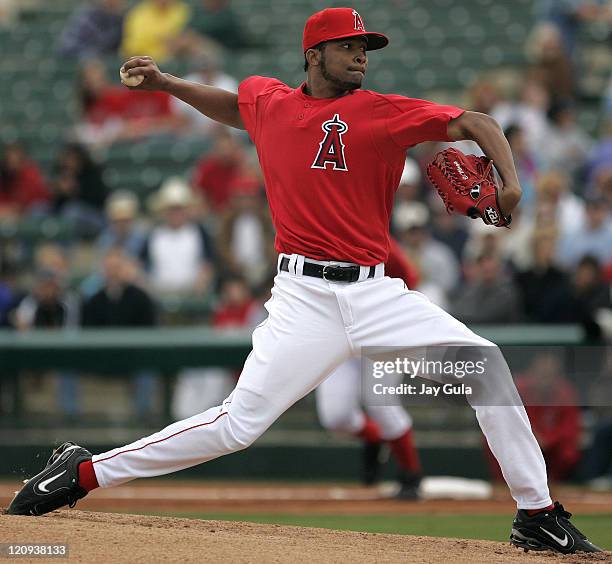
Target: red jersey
(213,177)
(234,316)
(398,265)
(557,424)
(122,103)
(24,189)
(332,165)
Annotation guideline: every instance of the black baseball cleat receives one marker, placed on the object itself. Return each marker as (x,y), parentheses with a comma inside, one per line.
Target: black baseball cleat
(409,486)
(549,530)
(55,486)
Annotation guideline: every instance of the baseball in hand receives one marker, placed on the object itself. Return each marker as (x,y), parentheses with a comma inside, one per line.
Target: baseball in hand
(130,80)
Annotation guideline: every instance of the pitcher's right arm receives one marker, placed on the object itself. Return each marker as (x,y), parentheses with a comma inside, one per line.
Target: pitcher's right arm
(215,103)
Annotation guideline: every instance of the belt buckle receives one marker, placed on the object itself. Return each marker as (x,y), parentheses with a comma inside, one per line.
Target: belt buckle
(324,273)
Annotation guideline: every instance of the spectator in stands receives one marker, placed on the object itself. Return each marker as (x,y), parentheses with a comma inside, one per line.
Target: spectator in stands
(567,146)
(528,111)
(23,189)
(237,308)
(448,229)
(158,28)
(601,154)
(51,261)
(525,162)
(591,292)
(217,171)
(79,190)
(544,286)
(410,187)
(246,235)
(552,405)
(198,389)
(598,170)
(121,303)
(93,30)
(11,9)
(192,122)
(51,256)
(490,297)
(569,15)
(550,64)
(178,253)
(482,241)
(122,229)
(50,305)
(588,294)
(593,238)
(515,246)
(606,103)
(602,183)
(598,461)
(438,269)
(9,293)
(217,20)
(484,95)
(553,190)
(113,113)
(8,13)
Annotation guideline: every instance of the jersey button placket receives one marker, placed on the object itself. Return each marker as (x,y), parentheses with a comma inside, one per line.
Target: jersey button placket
(302,115)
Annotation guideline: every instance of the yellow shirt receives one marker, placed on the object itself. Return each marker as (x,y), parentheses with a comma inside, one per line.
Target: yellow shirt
(148,28)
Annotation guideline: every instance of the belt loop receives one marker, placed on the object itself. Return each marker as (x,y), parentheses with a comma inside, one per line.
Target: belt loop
(380,270)
(299,265)
(292,262)
(363,273)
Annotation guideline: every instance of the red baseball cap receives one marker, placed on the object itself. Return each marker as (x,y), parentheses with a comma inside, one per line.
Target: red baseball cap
(337,23)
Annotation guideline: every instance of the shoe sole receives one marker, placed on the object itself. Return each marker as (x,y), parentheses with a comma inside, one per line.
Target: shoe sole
(526,543)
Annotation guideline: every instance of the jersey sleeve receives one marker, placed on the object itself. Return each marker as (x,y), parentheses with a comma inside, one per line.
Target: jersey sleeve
(410,121)
(250,91)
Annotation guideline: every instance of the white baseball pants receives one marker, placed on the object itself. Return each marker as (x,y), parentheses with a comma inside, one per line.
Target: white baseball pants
(314,326)
(339,405)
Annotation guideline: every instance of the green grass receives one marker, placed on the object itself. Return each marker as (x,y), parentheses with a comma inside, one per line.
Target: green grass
(597,526)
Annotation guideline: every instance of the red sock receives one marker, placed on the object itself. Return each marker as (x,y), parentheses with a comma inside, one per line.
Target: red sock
(532,512)
(405,452)
(87,476)
(370,432)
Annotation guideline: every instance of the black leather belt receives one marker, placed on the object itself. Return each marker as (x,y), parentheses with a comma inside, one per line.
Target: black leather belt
(329,272)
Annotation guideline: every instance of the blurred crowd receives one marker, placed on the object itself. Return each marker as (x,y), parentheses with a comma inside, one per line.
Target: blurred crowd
(553,266)
(205,239)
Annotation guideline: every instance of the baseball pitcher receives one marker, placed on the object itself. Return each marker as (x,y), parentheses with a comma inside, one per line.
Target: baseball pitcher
(332,154)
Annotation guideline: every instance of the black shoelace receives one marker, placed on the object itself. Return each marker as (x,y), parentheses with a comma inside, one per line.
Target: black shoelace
(560,511)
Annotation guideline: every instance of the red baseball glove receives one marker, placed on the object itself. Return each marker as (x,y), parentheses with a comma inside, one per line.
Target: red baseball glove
(467,185)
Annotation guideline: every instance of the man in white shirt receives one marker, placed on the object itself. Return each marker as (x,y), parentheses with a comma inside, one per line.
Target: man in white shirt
(178,253)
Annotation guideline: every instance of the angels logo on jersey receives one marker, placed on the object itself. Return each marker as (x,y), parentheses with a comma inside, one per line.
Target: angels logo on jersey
(331,149)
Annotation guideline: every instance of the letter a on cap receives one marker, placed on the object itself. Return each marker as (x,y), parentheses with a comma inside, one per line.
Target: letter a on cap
(358,22)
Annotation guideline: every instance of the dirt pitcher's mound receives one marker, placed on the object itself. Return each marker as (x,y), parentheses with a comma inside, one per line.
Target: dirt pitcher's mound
(111,537)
